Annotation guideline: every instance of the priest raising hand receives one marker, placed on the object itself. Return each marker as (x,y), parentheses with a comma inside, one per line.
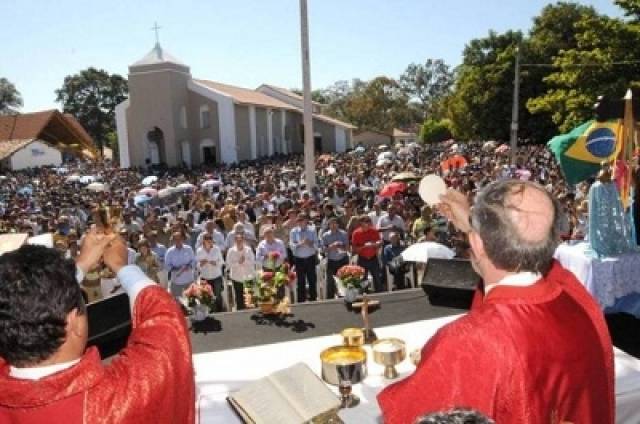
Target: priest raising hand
(46,372)
(535,347)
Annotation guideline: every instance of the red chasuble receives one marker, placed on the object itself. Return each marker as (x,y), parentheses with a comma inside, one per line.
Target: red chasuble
(151,381)
(535,354)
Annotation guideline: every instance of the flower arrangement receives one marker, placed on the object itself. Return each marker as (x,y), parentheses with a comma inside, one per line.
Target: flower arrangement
(268,289)
(272,259)
(351,276)
(199,294)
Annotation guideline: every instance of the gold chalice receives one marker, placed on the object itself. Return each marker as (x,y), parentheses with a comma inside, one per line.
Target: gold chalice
(352,336)
(389,352)
(344,366)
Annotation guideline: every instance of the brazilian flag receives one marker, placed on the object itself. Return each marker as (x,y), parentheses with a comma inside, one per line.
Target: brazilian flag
(581,151)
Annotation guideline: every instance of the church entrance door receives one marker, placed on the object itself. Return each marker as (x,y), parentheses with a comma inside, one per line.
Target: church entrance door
(208,155)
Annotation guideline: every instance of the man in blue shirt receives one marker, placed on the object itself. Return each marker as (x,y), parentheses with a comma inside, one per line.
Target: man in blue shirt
(335,245)
(179,262)
(303,241)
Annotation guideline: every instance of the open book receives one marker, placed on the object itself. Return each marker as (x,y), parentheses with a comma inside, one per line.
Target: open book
(294,395)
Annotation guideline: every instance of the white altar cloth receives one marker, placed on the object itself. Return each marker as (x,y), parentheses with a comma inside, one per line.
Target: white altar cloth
(222,372)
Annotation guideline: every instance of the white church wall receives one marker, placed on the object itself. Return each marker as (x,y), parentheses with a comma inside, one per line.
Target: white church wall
(226,119)
(123,133)
(36,154)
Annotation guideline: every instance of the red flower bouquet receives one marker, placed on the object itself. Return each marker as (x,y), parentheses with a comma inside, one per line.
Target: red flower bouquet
(351,276)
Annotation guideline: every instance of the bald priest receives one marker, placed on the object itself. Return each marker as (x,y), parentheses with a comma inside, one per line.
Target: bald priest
(535,347)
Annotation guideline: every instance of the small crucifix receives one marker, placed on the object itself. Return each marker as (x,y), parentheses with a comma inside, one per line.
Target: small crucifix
(156,28)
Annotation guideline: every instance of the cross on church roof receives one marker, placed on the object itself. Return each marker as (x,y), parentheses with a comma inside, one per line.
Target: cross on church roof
(156,28)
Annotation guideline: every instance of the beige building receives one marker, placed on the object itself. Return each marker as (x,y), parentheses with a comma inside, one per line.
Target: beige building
(368,138)
(174,119)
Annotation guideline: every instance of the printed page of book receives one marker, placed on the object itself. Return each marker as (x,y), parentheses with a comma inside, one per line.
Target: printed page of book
(265,404)
(306,392)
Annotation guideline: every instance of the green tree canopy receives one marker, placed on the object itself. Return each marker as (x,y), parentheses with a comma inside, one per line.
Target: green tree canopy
(427,84)
(10,99)
(434,131)
(92,96)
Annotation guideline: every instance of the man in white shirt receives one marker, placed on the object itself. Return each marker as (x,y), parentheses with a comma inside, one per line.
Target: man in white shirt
(391,223)
(179,262)
(209,259)
(271,251)
(241,263)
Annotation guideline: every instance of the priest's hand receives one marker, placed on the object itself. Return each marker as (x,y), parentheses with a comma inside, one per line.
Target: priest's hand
(455,206)
(116,254)
(93,246)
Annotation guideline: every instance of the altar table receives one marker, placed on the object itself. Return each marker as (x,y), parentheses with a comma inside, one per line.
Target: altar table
(222,372)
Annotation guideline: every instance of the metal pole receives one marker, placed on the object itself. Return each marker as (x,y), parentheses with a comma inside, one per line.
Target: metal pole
(309,160)
(514,111)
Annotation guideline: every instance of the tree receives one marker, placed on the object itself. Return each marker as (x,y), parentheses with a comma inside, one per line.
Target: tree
(434,131)
(381,105)
(480,106)
(586,71)
(10,99)
(92,96)
(427,84)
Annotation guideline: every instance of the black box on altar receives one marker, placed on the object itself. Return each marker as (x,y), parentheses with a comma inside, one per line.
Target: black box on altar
(450,282)
(109,324)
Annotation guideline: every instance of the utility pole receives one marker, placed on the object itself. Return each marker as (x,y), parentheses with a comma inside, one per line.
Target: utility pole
(514,111)
(309,160)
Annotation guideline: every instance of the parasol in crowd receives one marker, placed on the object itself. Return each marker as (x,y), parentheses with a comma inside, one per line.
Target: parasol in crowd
(405,176)
(185,186)
(383,162)
(385,155)
(421,252)
(73,178)
(148,191)
(88,179)
(142,199)
(503,148)
(489,145)
(454,162)
(149,180)
(95,186)
(383,147)
(167,191)
(359,149)
(211,183)
(392,188)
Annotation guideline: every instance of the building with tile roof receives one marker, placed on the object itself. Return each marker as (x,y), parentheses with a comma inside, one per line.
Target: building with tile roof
(29,140)
(174,119)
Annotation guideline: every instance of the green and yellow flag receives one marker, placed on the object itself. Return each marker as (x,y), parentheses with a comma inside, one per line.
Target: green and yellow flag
(581,151)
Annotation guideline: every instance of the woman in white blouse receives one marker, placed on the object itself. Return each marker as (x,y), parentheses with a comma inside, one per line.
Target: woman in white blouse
(242,267)
(210,261)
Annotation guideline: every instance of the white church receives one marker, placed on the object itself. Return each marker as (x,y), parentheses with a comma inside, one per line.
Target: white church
(174,119)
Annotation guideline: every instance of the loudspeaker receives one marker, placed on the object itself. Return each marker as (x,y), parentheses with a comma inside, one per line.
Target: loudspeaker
(450,282)
(109,324)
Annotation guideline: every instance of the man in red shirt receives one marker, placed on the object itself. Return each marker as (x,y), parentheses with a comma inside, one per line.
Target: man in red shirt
(365,242)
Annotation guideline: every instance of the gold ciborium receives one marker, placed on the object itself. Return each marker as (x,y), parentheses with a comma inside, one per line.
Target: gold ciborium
(344,366)
(352,336)
(389,352)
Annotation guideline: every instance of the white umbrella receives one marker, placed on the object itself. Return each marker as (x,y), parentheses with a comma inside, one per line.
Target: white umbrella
(385,155)
(421,252)
(330,170)
(97,187)
(383,147)
(148,191)
(167,191)
(383,162)
(359,149)
(211,183)
(73,178)
(149,180)
(185,186)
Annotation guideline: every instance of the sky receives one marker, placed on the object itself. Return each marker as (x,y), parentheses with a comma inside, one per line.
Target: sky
(245,42)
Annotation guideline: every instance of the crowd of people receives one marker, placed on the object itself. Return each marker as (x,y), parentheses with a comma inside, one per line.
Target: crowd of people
(219,225)
(533,348)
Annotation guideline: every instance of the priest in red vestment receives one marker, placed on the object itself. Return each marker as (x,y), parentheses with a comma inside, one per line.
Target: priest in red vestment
(535,347)
(46,376)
